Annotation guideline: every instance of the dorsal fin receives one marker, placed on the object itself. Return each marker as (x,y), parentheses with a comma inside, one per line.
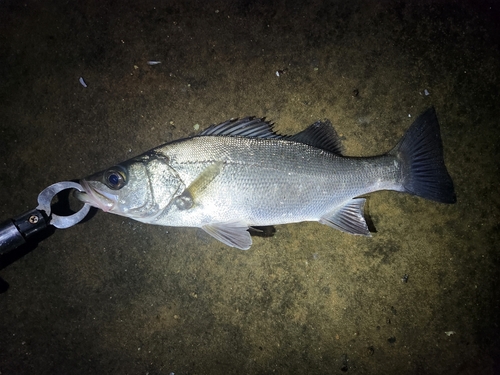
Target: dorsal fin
(246,127)
(320,134)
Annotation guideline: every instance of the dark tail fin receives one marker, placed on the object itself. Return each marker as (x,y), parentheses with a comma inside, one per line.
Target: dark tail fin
(421,151)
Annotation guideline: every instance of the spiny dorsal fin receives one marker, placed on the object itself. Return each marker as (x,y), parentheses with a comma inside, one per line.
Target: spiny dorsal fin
(320,134)
(246,127)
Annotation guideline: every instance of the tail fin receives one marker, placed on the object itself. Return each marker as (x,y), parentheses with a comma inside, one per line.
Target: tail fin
(421,151)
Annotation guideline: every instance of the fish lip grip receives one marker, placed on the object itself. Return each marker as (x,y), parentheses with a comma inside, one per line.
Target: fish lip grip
(45,199)
(18,231)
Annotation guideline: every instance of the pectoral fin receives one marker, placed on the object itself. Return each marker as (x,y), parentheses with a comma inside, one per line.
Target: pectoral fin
(193,192)
(349,218)
(234,234)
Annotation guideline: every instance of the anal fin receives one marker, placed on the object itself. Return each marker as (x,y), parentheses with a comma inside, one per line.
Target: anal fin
(349,218)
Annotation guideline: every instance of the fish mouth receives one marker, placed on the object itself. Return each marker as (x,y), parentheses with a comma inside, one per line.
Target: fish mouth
(95,197)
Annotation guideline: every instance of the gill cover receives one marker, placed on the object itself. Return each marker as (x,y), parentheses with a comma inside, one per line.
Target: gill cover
(139,188)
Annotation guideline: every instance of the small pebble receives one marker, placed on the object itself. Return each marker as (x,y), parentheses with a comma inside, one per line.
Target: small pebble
(426,93)
(82,82)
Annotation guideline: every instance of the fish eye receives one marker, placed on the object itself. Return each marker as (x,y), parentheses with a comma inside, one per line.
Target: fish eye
(115,178)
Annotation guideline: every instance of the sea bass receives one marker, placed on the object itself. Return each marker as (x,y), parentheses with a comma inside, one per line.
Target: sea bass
(241,174)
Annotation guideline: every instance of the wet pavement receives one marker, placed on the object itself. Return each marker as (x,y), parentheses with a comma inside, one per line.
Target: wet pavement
(114,296)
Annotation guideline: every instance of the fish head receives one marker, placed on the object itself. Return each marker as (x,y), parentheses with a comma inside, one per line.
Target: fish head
(140,188)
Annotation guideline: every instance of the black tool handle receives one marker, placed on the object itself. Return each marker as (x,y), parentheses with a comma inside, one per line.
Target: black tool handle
(16,232)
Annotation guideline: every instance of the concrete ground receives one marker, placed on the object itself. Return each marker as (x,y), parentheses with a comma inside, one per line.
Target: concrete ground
(114,296)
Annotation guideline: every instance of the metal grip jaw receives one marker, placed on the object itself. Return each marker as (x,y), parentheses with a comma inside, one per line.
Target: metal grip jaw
(45,200)
(15,232)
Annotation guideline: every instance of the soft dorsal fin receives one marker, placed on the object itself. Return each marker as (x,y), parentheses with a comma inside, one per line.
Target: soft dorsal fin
(321,134)
(246,127)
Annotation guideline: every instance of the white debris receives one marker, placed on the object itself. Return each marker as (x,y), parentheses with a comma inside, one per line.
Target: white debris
(449,333)
(277,73)
(153,62)
(82,82)
(426,93)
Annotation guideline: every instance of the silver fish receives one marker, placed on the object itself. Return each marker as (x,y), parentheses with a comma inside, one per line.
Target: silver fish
(240,174)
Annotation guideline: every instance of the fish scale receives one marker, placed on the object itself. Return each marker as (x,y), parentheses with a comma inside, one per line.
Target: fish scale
(278,182)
